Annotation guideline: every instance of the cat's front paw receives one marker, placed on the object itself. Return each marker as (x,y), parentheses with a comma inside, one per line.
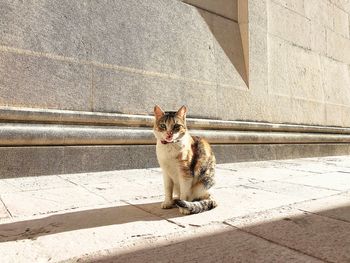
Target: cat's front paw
(167,204)
(184,211)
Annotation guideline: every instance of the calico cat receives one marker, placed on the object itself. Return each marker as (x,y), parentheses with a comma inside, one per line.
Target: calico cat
(187,162)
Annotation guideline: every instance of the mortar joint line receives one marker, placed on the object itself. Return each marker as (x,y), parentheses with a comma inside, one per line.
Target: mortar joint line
(111,66)
(167,219)
(6,208)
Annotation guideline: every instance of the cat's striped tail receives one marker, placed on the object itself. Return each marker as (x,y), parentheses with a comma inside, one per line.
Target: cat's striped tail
(196,207)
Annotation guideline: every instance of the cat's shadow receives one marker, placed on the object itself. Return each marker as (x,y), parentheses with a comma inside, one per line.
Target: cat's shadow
(70,221)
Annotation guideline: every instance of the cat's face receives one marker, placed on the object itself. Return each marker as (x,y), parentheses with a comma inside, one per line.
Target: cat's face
(169,126)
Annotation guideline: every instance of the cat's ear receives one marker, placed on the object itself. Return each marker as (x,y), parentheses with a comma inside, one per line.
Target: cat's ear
(182,112)
(158,112)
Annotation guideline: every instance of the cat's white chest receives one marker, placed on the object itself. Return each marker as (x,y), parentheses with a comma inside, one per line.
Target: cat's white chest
(167,158)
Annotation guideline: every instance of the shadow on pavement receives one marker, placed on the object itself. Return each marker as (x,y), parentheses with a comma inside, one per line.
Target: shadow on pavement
(57,223)
(310,237)
(321,237)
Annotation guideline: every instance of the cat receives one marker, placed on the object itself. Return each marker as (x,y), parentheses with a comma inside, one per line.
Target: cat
(187,163)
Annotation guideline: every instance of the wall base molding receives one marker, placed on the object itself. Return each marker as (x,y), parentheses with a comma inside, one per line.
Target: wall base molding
(50,160)
(43,142)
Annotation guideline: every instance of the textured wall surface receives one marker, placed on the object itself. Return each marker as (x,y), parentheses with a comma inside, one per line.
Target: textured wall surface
(114,56)
(125,56)
(309,58)
(275,61)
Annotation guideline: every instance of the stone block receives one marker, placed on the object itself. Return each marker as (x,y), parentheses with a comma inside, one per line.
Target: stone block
(113,226)
(257,59)
(265,174)
(340,181)
(257,13)
(303,233)
(106,158)
(295,5)
(278,77)
(232,104)
(228,50)
(308,110)
(117,91)
(34,81)
(50,200)
(341,22)
(225,177)
(316,165)
(54,160)
(241,153)
(36,183)
(336,207)
(111,185)
(167,37)
(297,191)
(205,244)
(320,11)
(318,38)
(289,25)
(343,4)
(46,26)
(334,114)
(294,71)
(336,81)
(29,161)
(225,8)
(233,202)
(5,187)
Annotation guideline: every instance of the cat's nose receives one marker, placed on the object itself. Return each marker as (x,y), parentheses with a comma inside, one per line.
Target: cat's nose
(170,133)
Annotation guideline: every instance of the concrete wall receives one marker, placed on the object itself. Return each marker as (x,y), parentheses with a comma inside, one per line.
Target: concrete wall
(274,61)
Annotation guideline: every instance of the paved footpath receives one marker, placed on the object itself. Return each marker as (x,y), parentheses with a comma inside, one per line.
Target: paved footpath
(273,211)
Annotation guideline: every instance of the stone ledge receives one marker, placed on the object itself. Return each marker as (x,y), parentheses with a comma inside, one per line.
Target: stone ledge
(12,134)
(32,115)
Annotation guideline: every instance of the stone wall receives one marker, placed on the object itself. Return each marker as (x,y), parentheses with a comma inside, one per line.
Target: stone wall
(112,56)
(125,56)
(87,64)
(309,58)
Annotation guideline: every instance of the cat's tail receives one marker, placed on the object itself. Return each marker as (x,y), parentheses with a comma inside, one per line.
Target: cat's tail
(196,207)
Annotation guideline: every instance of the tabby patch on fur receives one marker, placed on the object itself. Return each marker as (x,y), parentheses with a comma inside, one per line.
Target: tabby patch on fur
(187,162)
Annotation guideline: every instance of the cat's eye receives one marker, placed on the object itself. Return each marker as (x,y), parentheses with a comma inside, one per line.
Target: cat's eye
(162,126)
(177,126)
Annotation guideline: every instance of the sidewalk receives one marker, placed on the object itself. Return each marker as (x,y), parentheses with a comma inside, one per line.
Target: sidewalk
(272,211)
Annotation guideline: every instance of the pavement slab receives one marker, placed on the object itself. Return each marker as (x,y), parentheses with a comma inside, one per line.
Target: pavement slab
(233,202)
(207,244)
(269,174)
(49,201)
(62,236)
(271,211)
(120,185)
(37,183)
(334,181)
(336,206)
(325,238)
(297,192)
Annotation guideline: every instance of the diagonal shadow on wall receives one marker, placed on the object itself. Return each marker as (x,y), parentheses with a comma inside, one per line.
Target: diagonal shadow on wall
(230,35)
